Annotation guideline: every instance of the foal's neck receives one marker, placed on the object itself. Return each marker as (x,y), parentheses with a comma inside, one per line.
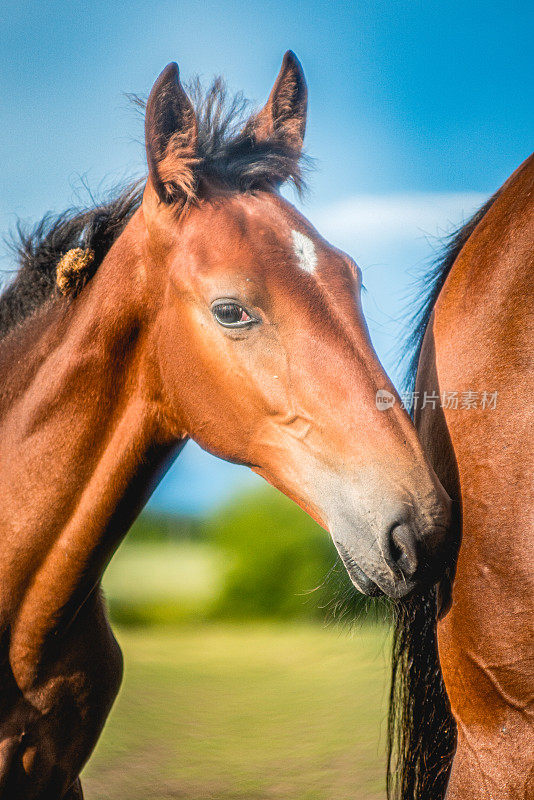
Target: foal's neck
(81,444)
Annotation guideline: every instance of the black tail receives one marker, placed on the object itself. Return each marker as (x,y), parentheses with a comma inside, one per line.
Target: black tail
(421,728)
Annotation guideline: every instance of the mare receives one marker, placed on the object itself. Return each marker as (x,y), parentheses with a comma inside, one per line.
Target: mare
(201,305)
(465,729)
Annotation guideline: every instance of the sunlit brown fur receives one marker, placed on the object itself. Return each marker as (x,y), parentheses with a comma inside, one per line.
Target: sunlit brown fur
(102,389)
(481,339)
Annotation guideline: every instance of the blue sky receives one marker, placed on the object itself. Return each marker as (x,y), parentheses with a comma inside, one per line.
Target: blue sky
(418,110)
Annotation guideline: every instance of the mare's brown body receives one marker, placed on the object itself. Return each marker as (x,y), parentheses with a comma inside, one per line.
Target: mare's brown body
(481,339)
(220,314)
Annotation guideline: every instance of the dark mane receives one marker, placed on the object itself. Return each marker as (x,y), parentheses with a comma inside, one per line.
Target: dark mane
(231,157)
(428,287)
(225,156)
(421,728)
(39,249)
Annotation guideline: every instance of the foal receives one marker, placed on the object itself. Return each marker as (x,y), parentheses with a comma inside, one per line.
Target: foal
(209,309)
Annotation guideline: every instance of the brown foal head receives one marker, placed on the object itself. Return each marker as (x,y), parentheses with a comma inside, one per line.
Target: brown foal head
(261,345)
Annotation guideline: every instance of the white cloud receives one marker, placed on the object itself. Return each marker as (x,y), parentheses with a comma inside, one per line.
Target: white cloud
(398,217)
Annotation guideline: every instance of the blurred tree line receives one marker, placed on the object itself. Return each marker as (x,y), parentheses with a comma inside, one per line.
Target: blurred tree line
(271,561)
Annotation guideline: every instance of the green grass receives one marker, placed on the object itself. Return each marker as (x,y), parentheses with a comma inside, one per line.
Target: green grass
(248,712)
(172,581)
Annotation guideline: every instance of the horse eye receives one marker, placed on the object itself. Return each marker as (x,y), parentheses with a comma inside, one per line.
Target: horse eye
(231,315)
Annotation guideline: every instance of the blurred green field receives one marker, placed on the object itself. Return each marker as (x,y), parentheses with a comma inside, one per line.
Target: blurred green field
(234,688)
(257,557)
(165,582)
(257,711)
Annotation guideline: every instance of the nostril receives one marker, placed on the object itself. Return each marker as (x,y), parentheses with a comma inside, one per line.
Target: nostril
(403,549)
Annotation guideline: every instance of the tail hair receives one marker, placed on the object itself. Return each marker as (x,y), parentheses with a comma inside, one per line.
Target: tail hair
(421,728)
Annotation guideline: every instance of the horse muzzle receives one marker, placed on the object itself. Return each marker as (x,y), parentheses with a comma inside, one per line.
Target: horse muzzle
(396,550)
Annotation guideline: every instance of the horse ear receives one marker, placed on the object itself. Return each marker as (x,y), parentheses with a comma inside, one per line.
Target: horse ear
(283,117)
(171,138)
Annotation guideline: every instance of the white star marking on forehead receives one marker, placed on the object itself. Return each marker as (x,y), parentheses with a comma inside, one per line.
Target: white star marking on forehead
(305,251)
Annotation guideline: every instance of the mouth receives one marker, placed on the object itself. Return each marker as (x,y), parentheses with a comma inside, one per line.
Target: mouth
(361,581)
(398,591)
